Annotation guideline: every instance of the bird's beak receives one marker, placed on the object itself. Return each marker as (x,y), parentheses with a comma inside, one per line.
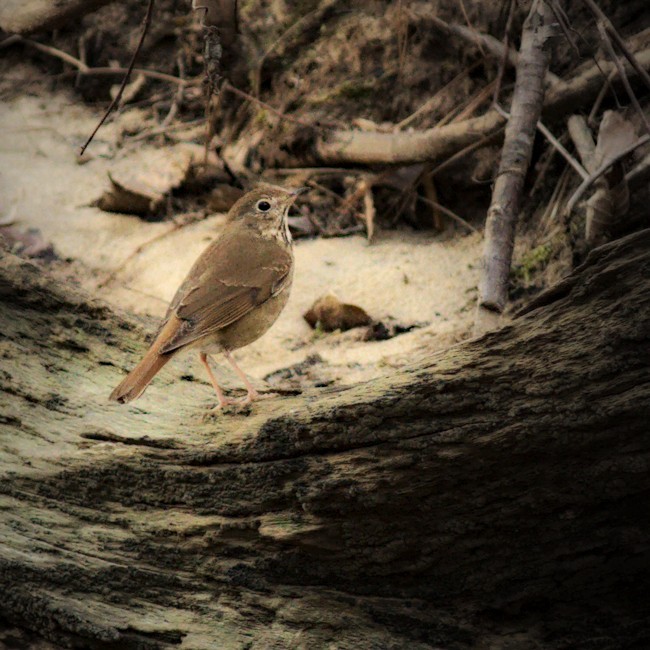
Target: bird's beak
(299,191)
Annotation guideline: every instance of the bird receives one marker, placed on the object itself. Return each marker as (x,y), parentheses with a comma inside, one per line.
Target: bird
(231,296)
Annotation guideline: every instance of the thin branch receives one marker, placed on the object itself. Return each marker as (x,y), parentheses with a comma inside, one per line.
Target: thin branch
(493,45)
(178,96)
(477,39)
(504,57)
(623,75)
(236,91)
(601,170)
(555,143)
(562,150)
(488,139)
(611,30)
(152,74)
(118,96)
(583,141)
(47,49)
(436,98)
(447,212)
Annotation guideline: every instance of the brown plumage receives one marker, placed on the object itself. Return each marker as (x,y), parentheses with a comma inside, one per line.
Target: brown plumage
(234,292)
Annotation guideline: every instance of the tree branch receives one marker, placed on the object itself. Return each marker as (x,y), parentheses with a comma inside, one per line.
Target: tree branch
(517,150)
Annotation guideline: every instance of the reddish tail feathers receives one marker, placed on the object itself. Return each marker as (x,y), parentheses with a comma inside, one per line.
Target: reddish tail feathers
(135,383)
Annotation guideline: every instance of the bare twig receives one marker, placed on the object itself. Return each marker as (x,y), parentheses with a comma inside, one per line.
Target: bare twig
(47,49)
(303,24)
(312,125)
(477,40)
(152,74)
(613,33)
(436,99)
(562,150)
(447,212)
(526,108)
(601,170)
(583,141)
(491,44)
(145,26)
(479,144)
(555,143)
(178,97)
(177,224)
(623,75)
(506,49)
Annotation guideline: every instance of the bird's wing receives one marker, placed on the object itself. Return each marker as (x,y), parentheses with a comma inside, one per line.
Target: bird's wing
(235,274)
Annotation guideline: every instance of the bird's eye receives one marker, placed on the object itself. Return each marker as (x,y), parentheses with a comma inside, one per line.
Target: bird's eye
(263,206)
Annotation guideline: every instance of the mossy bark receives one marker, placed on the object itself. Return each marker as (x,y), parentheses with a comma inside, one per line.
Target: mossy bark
(495,495)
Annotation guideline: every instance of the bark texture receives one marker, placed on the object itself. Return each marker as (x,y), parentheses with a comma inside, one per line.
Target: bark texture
(494,496)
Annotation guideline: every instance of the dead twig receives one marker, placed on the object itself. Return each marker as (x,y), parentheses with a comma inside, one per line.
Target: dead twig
(583,141)
(526,109)
(622,74)
(555,143)
(302,24)
(620,43)
(178,96)
(177,224)
(152,74)
(145,26)
(506,48)
(434,101)
(236,91)
(479,144)
(492,45)
(47,49)
(448,212)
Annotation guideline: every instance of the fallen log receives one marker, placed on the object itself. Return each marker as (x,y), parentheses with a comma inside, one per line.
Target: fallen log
(349,146)
(493,495)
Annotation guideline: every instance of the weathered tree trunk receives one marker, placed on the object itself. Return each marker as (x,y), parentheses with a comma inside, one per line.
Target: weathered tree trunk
(494,496)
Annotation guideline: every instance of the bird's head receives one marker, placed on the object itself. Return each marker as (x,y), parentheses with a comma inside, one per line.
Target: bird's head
(265,209)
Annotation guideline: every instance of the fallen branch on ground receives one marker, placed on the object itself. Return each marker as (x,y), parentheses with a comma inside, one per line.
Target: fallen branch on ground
(436,144)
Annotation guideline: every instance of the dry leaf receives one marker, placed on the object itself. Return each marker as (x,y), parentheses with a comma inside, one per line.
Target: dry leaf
(611,201)
(615,135)
(141,181)
(330,314)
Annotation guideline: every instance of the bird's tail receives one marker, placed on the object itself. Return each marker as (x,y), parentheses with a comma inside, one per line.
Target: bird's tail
(135,383)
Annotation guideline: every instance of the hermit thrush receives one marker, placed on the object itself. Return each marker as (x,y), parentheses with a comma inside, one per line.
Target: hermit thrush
(234,292)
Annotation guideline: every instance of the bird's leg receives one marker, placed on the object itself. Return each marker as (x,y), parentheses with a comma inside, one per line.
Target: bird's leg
(252,393)
(223,400)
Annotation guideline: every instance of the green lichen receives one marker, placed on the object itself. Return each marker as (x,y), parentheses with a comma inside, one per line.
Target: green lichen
(533,261)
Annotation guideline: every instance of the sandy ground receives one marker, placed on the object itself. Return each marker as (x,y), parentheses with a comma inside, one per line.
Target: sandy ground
(411,277)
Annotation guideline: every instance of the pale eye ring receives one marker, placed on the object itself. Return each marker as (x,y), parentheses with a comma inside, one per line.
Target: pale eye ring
(263,206)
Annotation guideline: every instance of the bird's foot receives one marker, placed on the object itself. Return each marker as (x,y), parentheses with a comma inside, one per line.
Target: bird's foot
(229,405)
